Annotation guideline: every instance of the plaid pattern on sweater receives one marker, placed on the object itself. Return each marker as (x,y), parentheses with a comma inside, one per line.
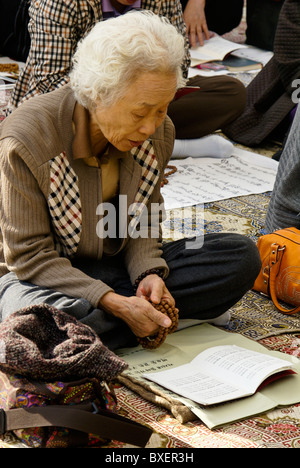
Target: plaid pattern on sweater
(56,26)
(145,157)
(64,205)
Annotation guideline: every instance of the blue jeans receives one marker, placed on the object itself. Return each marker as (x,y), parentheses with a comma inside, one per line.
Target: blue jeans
(204,282)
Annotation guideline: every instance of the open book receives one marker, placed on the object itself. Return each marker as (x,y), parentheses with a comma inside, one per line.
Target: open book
(215,48)
(181,348)
(221,373)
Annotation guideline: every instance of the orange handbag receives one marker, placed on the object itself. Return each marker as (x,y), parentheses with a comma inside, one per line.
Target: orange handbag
(279,277)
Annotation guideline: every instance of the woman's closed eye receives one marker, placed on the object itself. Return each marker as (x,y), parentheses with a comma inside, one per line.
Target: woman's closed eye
(139,116)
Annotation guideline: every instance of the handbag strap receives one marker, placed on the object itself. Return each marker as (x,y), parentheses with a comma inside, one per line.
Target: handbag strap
(103,424)
(277,252)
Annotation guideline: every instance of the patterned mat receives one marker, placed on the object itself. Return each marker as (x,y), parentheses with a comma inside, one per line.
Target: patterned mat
(256,318)
(276,429)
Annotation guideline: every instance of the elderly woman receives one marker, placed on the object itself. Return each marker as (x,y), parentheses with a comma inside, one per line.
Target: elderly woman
(103,142)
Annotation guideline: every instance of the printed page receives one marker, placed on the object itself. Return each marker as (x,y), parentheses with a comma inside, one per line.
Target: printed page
(215,48)
(220,374)
(205,180)
(246,368)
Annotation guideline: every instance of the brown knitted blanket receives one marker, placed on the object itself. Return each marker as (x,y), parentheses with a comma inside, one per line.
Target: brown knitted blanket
(46,344)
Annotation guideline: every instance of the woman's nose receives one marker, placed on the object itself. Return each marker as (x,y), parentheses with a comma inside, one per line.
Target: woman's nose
(148,127)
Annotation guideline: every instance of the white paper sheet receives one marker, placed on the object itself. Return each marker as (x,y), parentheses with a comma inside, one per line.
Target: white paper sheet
(215,48)
(205,180)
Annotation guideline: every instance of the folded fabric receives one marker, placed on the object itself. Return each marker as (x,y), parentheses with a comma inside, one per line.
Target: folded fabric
(149,392)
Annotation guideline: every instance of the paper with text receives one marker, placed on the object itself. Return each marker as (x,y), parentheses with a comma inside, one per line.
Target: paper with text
(205,180)
(215,48)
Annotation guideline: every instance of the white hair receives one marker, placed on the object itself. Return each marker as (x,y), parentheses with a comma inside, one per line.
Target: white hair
(115,51)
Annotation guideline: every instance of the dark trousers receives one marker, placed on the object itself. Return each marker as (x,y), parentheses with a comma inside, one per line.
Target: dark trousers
(204,282)
(262,20)
(218,102)
(14,35)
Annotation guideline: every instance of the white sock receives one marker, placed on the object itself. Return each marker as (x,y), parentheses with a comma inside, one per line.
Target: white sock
(212,146)
(222,320)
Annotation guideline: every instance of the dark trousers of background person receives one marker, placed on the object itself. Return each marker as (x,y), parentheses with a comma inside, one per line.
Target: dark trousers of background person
(262,19)
(14,35)
(219,101)
(222,16)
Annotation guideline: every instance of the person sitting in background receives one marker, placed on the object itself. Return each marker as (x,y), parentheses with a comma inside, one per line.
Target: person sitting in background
(101,144)
(270,102)
(205,16)
(56,26)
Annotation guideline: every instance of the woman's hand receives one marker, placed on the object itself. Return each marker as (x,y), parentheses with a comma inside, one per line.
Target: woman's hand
(153,288)
(137,311)
(195,20)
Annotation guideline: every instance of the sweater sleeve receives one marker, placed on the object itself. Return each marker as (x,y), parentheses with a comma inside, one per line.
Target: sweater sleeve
(28,243)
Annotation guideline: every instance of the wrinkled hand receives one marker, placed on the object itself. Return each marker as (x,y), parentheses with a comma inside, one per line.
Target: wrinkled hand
(195,20)
(137,311)
(153,288)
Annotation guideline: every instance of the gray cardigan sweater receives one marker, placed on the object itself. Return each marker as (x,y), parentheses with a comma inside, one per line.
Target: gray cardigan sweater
(48,200)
